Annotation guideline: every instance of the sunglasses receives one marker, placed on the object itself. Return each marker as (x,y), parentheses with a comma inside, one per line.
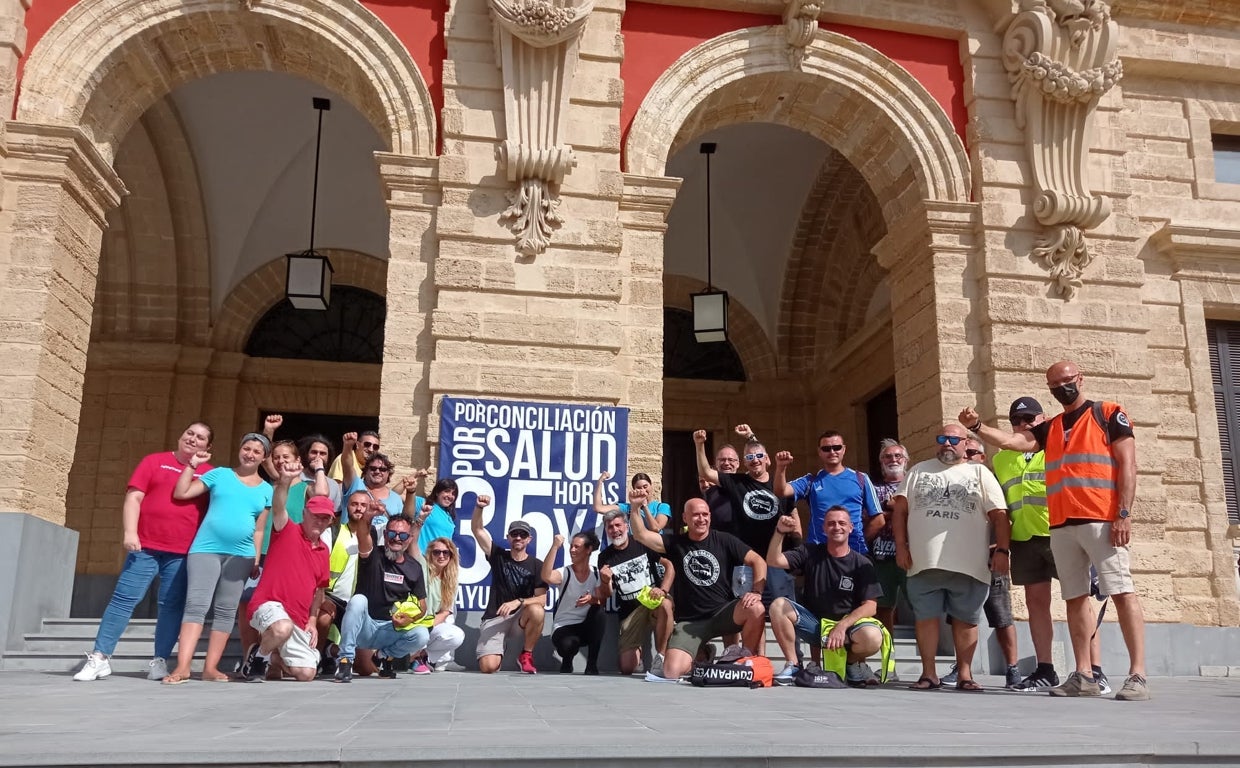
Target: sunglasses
(1024,418)
(945,439)
(974,452)
(397,535)
(370,445)
(518,535)
(831,448)
(377,469)
(440,553)
(754,456)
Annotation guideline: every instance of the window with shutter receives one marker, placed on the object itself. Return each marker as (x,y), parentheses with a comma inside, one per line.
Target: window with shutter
(1225,369)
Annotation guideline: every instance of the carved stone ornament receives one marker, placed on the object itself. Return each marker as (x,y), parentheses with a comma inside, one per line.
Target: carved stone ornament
(1060,56)
(800,26)
(536,44)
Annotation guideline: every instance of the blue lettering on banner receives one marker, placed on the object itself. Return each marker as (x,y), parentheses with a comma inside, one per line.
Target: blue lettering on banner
(538,463)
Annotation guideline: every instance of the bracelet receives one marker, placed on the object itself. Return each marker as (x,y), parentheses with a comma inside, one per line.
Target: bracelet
(319,469)
(976,427)
(1002,551)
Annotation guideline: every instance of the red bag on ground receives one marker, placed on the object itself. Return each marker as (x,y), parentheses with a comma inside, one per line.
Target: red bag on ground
(745,672)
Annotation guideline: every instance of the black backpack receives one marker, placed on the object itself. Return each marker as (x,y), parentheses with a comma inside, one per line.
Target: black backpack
(813,676)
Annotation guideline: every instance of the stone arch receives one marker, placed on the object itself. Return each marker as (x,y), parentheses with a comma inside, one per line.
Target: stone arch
(750,341)
(104,63)
(837,72)
(260,290)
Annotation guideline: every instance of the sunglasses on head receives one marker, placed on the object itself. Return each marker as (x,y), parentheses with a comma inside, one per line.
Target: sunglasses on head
(518,535)
(945,439)
(970,453)
(831,448)
(1025,418)
(440,553)
(754,456)
(398,535)
(370,445)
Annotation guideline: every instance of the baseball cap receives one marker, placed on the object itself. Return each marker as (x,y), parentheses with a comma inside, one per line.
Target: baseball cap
(320,505)
(520,525)
(1024,405)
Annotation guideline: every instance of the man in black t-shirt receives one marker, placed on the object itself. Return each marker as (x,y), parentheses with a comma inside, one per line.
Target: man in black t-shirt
(705,605)
(840,584)
(755,507)
(381,614)
(626,567)
(518,595)
(727,461)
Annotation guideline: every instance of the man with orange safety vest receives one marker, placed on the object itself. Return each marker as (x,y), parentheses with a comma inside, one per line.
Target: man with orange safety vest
(1091,479)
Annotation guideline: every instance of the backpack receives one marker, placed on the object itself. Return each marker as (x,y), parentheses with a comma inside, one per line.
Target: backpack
(745,672)
(813,676)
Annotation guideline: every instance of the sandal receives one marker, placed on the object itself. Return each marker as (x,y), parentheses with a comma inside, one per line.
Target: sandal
(930,684)
(969,686)
(221,678)
(175,679)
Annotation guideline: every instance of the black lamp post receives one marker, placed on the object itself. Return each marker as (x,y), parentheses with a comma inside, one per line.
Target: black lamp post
(308,283)
(710,307)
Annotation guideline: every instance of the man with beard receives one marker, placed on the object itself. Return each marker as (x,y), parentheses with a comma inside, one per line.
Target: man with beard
(942,538)
(386,612)
(893,458)
(755,507)
(704,604)
(342,541)
(518,599)
(627,567)
(1091,483)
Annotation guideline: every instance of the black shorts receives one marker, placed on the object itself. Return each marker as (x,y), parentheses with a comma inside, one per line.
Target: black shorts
(1032,561)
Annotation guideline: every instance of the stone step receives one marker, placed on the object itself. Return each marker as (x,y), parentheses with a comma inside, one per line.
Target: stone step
(129,663)
(78,626)
(127,646)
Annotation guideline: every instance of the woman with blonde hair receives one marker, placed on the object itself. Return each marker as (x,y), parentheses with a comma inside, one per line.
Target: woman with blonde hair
(441,562)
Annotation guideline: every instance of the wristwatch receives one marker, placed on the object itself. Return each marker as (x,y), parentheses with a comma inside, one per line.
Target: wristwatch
(1002,551)
(1123,513)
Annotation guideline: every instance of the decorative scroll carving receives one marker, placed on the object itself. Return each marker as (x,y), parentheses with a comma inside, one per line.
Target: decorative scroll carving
(1060,56)
(536,42)
(800,26)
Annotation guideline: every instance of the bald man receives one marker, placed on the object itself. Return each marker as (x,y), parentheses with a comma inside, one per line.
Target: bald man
(1091,481)
(703,600)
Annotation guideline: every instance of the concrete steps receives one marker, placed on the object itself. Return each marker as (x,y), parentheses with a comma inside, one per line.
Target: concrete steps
(61,645)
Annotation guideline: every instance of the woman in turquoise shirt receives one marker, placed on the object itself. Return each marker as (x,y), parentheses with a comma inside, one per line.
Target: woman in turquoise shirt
(224,553)
(655,513)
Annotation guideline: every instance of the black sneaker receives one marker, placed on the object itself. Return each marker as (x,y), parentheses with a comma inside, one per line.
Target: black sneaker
(1013,677)
(387,669)
(344,671)
(1037,682)
(566,666)
(327,666)
(254,667)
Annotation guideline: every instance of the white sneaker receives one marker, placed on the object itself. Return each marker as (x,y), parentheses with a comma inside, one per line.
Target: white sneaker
(656,664)
(159,669)
(96,668)
(448,666)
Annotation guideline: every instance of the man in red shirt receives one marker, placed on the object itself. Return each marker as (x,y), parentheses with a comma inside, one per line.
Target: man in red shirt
(286,601)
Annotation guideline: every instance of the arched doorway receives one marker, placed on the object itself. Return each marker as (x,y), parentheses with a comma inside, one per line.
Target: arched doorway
(125,89)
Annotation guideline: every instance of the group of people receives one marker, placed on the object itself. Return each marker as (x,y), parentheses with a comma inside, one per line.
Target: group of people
(948,533)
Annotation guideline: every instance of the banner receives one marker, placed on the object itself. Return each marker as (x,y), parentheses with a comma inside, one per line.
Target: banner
(538,462)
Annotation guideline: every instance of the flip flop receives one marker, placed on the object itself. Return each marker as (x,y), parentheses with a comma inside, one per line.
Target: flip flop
(930,684)
(175,679)
(222,678)
(969,686)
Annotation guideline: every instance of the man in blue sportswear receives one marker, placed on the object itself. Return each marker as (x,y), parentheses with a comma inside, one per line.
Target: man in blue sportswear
(833,485)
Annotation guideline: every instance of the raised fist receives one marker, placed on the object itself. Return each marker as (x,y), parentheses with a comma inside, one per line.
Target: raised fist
(744,431)
(604,477)
(290,471)
(272,423)
(350,440)
(783,458)
(969,418)
(637,496)
(558,541)
(425,513)
(483,501)
(317,463)
(200,457)
(699,437)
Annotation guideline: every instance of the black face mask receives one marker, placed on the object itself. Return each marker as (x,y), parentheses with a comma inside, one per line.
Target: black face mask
(1066,394)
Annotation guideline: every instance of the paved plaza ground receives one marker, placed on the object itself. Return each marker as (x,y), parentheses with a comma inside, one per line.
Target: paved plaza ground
(472,720)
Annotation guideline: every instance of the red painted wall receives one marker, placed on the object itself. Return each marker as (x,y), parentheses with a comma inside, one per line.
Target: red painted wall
(656,35)
(417,23)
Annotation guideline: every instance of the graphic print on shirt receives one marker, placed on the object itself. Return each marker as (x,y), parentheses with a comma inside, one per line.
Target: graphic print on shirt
(517,578)
(631,575)
(939,498)
(701,567)
(760,504)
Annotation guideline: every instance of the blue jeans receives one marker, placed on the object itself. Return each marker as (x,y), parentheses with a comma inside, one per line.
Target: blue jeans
(139,571)
(360,630)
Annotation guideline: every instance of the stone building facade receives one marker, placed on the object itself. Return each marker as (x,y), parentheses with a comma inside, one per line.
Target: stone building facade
(997,185)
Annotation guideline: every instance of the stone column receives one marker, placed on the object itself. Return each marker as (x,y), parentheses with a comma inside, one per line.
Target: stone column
(934,294)
(413,196)
(57,190)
